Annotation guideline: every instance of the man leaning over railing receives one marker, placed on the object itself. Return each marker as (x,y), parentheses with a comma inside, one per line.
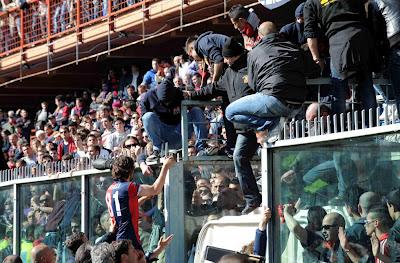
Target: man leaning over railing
(233,84)
(277,71)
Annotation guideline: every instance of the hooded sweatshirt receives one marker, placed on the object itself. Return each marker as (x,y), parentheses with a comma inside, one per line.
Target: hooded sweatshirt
(165,101)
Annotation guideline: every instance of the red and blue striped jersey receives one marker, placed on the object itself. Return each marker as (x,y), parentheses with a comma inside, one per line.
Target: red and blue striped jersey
(122,203)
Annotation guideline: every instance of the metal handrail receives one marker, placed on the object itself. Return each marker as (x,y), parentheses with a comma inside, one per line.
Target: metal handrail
(30,33)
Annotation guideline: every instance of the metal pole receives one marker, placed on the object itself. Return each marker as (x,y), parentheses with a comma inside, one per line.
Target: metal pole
(85,204)
(78,30)
(16,236)
(181,15)
(109,27)
(184,131)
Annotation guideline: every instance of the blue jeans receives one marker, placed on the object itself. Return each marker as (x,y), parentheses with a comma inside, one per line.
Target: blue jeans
(258,111)
(342,165)
(394,60)
(160,133)
(365,89)
(246,147)
(56,18)
(105,7)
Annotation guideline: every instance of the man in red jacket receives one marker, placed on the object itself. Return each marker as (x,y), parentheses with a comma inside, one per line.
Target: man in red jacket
(67,145)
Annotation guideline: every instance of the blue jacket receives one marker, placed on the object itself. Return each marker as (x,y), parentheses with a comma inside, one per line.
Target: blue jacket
(150,78)
(260,243)
(294,32)
(210,45)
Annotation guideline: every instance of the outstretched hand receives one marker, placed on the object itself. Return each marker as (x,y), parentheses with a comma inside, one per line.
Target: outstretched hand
(169,161)
(164,242)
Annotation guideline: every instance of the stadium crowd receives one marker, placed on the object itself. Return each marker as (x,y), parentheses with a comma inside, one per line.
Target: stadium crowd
(261,82)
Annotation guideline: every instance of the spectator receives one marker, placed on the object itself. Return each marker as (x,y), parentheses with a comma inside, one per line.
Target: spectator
(126,253)
(116,138)
(151,76)
(74,241)
(10,124)
(67,146)
(83,254)
(367,201)
(43,254)
(390,11)
(246,22)
(246,143)
(208,47)
(280,92)
(377,225)
(61,113)
(294,32)
(29,155)
(25,123)
(12,259)
(260,240)
(350,49)
(103,253)
(137,78)
(219,183)
(79,108)
(160,110)
(393,205)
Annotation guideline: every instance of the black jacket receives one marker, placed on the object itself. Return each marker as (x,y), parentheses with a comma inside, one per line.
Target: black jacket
(278,68)
(232,85)
(165,101)
(210,45)
(390,10)
(332,16)
(294,32)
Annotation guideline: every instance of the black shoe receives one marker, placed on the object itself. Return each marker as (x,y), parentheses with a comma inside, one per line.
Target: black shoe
(155,157)
(249,208)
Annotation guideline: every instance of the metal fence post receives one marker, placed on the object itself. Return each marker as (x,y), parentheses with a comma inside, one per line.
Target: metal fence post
(267,193)
(16,220)
(184,132)
(85,205)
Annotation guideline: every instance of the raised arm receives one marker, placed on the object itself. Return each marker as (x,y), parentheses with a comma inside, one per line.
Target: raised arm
(294,226)
(158,185)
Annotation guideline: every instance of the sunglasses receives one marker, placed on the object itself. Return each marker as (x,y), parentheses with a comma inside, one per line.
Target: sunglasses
(366,222)
(131,145)
(327,227)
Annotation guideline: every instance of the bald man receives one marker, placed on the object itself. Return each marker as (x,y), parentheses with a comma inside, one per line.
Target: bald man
(43,254)
(324,243)
(277,71)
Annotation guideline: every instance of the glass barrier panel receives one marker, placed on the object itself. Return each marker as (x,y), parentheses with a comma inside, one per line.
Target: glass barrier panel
(6,222)
(323,187)
(211,191)
(50,212)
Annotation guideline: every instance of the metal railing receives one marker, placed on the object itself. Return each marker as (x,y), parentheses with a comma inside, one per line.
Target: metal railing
(44,20)
(48,169)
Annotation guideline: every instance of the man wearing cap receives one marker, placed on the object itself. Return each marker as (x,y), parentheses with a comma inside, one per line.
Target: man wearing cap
(161,116)
(233,85)
(294,31)
(277,72)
